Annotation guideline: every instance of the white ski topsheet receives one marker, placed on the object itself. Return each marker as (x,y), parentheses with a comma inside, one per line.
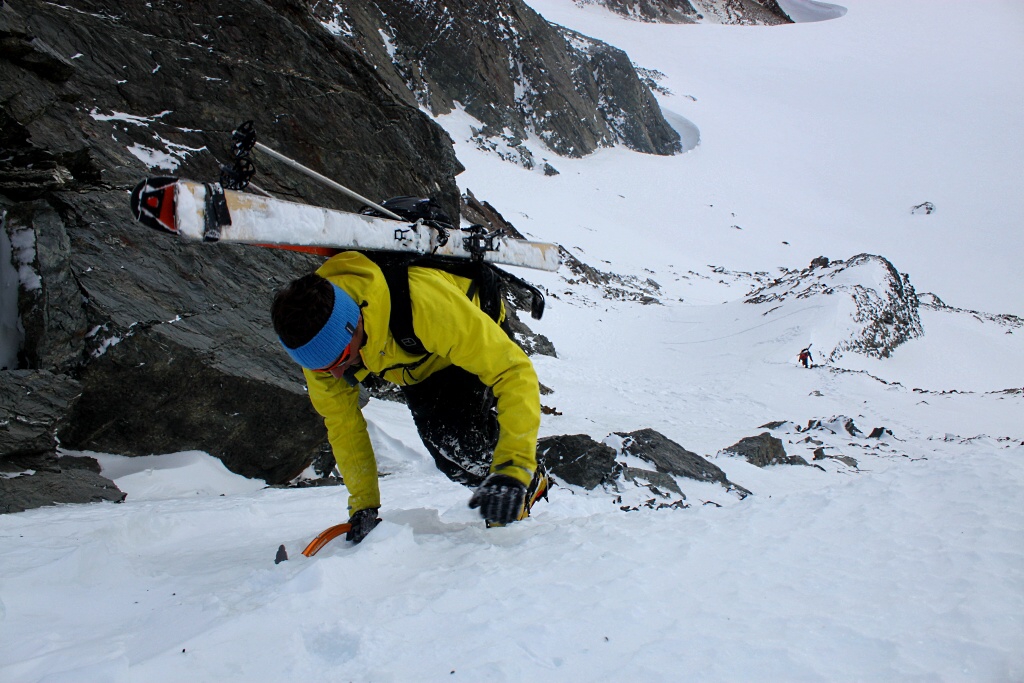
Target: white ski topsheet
(262,220)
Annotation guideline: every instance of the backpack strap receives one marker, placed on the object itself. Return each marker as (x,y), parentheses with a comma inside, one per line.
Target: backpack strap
(397,276)
(483,281)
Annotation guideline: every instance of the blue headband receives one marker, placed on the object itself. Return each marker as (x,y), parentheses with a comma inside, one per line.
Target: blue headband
(325,347)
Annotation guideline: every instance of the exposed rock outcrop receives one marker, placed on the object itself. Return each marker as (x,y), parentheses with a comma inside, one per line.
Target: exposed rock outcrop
(577,459)
(878,302)
(170,342)
(33,405)
(742,12)
(510,69)
(763,450)
(611,285)
(581,461)
(72,484)
(669,457)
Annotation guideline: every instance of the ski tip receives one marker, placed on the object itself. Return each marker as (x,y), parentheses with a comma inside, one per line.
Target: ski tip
(152,203)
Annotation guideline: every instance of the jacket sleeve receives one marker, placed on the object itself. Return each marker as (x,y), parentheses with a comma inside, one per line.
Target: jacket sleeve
(452,326)
(338,403)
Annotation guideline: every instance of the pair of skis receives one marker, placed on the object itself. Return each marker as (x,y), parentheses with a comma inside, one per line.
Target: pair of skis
(210,213)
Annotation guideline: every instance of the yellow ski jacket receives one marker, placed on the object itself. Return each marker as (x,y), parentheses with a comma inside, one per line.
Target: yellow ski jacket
(456,332)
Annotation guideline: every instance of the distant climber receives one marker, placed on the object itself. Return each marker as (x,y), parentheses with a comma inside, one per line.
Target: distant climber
(805,357)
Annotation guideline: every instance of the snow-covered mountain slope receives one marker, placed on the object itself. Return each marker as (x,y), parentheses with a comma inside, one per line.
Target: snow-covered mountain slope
(894,554)
(824,146)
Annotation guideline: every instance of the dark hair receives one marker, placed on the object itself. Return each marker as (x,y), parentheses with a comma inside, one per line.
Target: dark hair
(301,308)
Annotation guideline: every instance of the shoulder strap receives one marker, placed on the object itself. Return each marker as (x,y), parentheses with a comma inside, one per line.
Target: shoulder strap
(396,273)
(397,276)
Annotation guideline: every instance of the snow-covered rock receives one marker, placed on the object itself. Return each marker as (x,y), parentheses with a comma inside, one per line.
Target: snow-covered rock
(866,305)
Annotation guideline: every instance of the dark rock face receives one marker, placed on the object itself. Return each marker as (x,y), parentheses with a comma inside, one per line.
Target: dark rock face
(668,456)
(577,459)
(511,69)
(151,392)
(33,405)
(744,12)
(171,342)
(671,458)
(581,461)
(654,480)
(68,485)
(763,450)
(50,302)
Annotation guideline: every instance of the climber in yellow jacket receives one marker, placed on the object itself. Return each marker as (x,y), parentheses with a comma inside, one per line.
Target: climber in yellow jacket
(474,396)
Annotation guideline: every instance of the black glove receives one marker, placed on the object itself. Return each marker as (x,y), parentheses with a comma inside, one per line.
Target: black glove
(362,522)
(500,499)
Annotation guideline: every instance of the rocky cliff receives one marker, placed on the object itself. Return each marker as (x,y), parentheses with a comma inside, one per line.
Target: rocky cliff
(509,68)
(742,12)
(131,343)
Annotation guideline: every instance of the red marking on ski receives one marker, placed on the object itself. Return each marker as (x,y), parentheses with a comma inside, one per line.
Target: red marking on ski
(317,251)
(152,203)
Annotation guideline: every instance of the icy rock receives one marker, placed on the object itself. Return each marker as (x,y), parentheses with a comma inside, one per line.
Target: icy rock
(33,405)
(70,485)
(763,450)
(670,458)
(49,299)
(836,425)
(819,454)
(577,459)
(658,480)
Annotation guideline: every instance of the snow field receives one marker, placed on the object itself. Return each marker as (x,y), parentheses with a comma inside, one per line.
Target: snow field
(831,575)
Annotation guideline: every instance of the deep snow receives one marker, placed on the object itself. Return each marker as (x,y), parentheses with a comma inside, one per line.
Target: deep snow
(906,565)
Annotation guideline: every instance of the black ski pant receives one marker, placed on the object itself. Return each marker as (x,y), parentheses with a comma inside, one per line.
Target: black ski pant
(455,415)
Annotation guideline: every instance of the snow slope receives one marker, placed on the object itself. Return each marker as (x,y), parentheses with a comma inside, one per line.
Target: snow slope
(893,558)
(823,135)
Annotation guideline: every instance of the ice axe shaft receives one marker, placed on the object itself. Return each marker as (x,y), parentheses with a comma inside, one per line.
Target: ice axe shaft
(325,537)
